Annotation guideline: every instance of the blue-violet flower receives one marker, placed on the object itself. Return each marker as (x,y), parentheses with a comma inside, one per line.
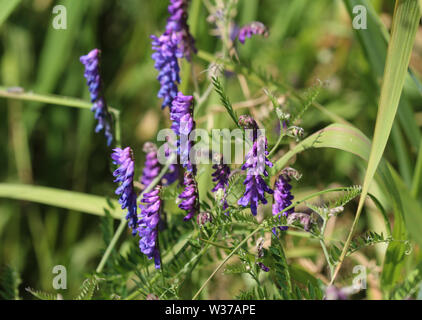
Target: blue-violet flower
(124,175)
(149,219)
(91,61)
(189,196)
(252,28)
(221,177)
(255,165)
(282,198)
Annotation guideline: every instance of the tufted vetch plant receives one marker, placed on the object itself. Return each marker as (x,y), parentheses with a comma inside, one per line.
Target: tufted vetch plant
(253,150)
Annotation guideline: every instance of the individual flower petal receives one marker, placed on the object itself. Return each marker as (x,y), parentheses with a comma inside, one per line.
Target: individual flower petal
(255,165)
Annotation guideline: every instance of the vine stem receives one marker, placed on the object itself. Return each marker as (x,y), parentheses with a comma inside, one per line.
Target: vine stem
(122,225)
(225,260)
(280,138)
(324,247)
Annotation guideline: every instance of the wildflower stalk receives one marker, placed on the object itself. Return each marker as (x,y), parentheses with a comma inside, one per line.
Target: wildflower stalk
(225,260)
(122,225)
(280,138)
(324,247)
(416,183)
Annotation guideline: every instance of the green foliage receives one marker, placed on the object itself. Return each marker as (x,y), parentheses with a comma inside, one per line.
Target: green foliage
(9,283)
(44,295)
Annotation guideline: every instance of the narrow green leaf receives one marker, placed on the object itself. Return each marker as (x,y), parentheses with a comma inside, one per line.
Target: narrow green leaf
(61,198)
(405,22)
(6,8)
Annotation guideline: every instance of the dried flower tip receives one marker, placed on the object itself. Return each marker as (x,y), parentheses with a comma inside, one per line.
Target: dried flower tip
(291,173)
(334,293)
(336,210)
(303,218)
(282,116)
(260,246)
(296,132)
(247,122)
(203,218)
(152,296)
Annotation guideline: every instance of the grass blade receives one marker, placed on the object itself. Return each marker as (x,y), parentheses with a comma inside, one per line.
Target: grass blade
(405,22)
(61,198)
(6,8)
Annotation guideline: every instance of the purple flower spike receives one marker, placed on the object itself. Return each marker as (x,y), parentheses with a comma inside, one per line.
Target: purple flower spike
(148,223)
(282,198)
(181,106)
(177,23)
(221,177)
(172,174)
(183,124)
(91,61)
(168,67)
(151,167)
(176,42)
(255,163)
(189,196)
(124,175)
(251,29)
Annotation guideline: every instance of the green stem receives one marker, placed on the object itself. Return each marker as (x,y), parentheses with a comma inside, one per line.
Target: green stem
(324,247)
(111,245)
(280,138)
(224,261)
(416,183)
(20,94)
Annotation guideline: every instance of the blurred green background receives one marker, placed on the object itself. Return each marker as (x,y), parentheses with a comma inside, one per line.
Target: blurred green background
(55,146)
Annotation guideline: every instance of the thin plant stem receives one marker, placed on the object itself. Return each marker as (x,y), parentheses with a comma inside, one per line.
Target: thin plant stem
(224,261)
(324,247)
(416,183)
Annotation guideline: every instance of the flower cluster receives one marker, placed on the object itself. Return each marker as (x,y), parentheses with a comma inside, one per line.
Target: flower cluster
(181,114)
(221,177)
(168,67)
(260,251)
(152,166)
(147,228)
(255,165)
(251,29)
(282,197)
(124,175)
(189,196)
(91,61)
(178,25)
(176,42)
